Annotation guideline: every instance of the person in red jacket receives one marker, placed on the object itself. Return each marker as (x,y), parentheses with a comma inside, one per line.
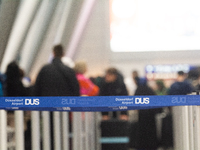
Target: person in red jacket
(87,87)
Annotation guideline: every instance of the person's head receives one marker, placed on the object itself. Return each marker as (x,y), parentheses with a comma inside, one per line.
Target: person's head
(135,74)
(13,71)
(160,84)
(181,76)
(58,51)
(80,67)
(181,73)
(111,75)
(135,77)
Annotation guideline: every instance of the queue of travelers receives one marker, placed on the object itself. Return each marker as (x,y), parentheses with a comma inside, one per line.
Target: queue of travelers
(58,79)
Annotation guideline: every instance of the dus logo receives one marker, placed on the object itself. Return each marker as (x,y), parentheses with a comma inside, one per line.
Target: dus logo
(178,100)
(142,100)
(68,101)
(32,102)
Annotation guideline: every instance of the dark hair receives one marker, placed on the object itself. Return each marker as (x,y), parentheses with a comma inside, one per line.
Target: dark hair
(135,72)
(13,71)
(112,71)
(58,51)
(181,73)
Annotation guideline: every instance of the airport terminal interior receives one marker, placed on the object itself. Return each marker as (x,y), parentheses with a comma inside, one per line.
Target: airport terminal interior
(141,42)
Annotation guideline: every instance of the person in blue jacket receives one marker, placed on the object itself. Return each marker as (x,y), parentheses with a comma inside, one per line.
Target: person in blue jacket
(181,86)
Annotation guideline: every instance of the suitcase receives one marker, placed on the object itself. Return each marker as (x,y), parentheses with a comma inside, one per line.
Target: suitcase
(114,135)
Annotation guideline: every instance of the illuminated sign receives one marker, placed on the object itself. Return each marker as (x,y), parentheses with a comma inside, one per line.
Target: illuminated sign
(165,71)
(154,25)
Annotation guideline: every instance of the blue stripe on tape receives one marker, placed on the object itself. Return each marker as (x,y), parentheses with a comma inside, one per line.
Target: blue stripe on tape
(114,140)
(96,103)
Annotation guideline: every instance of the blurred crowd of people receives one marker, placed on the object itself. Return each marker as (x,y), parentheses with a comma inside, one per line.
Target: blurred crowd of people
(59,79)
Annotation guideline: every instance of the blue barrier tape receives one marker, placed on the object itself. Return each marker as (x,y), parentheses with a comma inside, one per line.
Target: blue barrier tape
(96,103)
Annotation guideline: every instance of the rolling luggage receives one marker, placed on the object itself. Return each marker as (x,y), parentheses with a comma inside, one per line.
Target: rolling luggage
(114,135)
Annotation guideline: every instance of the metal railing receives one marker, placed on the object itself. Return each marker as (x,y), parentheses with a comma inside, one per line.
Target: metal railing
(82,136)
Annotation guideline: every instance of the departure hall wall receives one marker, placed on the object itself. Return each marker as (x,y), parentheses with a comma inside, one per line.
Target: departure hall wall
(95,49)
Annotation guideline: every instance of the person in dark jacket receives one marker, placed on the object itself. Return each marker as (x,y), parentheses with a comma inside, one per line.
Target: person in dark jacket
(14,86)
(56,79)
(113,85)
(146,138)
(181,86)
